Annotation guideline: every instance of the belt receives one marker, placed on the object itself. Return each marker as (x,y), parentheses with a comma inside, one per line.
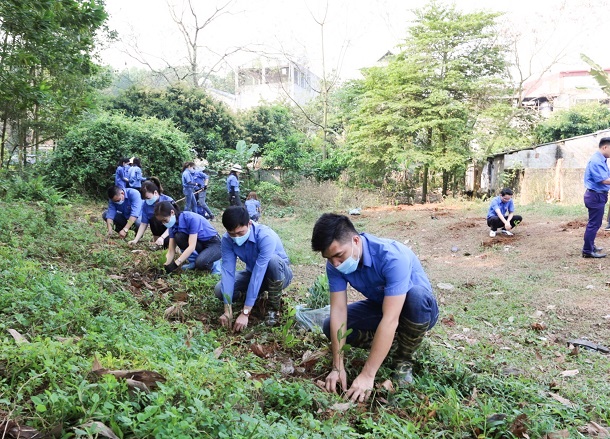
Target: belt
(597,192)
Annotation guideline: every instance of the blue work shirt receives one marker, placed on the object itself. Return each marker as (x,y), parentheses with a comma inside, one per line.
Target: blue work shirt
(200,178)
(256,252)
(596,172)
(188,181)
(149,210)
(232,183)
(252,206)
(192,223)
(387,268)
(132,206)
(135,177)
(505,207)
(119,177)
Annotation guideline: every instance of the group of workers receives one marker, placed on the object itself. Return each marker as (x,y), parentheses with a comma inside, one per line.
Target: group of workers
(399,308)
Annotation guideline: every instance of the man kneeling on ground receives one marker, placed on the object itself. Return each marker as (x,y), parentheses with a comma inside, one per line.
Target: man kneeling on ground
(399,308)
(267,268)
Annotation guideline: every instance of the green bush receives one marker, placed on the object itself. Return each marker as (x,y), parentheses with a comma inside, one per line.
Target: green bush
(86,159)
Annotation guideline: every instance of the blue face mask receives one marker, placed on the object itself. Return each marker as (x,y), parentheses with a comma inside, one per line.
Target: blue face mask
(350,264)
(152,200)
(239,240)
(120,202)
(171,222)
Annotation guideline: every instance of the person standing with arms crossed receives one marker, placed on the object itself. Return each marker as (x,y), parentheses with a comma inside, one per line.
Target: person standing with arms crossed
(597,184)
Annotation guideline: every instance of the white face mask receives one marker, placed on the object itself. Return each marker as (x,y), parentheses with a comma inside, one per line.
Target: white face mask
(350,264)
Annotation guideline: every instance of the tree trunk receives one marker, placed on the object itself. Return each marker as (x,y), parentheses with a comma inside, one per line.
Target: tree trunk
(3,140)
(445,182)
(424,190)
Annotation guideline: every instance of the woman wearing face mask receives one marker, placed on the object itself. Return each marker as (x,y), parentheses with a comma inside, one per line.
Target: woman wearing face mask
(188,186)
(135,174)
(193,234)
(120,176)
(152,194)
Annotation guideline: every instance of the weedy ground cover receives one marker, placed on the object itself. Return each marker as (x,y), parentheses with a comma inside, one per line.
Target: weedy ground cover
(497,365)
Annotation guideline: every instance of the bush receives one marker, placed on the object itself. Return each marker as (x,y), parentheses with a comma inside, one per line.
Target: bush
(86,159)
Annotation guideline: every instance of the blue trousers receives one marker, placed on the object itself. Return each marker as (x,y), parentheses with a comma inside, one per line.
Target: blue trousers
(206,252)
(595,203)
(201,196)
(364,316)
(278,269)
(119,221)
(189,199)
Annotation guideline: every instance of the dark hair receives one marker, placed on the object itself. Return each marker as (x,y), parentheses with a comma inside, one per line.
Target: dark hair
(186,165)
(506,191)
(331,227)
(113,191)
(123,161)
(150,186)
(234,217)
(164,208)
(136,162)
(604,141)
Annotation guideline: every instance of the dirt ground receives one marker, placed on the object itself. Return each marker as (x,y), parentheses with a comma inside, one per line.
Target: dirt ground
(454,247)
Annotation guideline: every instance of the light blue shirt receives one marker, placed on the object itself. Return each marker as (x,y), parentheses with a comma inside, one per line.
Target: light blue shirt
(596,172)
(132,206)
(387,268)
(119,177)
(192,223)
(256,252)
(188,182)
(505,207)
(200,178)
(232,183)
(149,210)
(252,206)
(135,177)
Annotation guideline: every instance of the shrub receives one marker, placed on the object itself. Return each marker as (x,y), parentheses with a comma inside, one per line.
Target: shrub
(86,159)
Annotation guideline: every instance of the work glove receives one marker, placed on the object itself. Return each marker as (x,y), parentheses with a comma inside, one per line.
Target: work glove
(169,268)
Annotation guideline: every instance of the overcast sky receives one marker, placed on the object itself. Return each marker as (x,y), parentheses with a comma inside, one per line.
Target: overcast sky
(357,32)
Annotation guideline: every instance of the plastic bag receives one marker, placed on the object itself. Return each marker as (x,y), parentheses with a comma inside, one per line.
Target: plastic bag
(312,319)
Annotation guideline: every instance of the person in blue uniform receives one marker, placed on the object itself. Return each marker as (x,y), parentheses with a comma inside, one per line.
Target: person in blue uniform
(188,186)
(233,186)
(193,234)
(124,210)
(597,184)
(399,307)
(135,174)
(201,185)
(152,194)
(501,214)
(120,176)
(253,206)
(267,268)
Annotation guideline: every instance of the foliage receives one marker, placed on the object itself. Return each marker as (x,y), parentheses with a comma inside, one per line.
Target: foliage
(47,72)
(600,75)
(419,111)
(319,293)
(577,121)
(266,124)
(86,159)
(293,153)
(209,123)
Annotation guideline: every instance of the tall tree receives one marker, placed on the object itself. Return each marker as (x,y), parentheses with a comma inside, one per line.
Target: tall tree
(420,111)
(46,66)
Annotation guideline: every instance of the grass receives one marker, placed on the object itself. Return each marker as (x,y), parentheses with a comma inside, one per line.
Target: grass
(75,296)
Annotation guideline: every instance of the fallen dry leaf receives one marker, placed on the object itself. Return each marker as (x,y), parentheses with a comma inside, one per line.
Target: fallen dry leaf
(538,326)
(18,337)
(562,400)
(448,321)
(311,357)
(259,350)
(135,384)
(561,434)
(321,384)
(340,406)
(218,352)
(518,428)
(594,429)
(287,367)
(574,350)
(473,397)
(387,385)
(16,431)
(175,312)
(116,276)
(538,355)
(100,429)
(569,373)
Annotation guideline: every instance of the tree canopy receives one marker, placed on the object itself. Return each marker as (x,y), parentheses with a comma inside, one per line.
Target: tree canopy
(577,121)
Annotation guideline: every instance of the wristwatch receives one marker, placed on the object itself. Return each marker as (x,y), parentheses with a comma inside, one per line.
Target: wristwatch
(246,312)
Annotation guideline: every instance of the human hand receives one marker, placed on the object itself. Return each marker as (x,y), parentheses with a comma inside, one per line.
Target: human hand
(335,377)
(240,323)
(361,388)
(226,320)
(123,233)
(132,243)
(169,268)
(160,241)
(508,227)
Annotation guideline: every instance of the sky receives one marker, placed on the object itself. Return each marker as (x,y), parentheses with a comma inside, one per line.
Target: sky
(356,32)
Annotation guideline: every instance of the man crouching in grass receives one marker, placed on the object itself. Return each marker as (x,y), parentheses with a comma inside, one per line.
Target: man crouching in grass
(399,307)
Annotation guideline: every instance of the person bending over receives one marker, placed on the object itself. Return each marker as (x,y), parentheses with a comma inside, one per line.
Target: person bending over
(501,214)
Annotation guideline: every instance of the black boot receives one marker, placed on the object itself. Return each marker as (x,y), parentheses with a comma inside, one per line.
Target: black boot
(274,301)
(409,337)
